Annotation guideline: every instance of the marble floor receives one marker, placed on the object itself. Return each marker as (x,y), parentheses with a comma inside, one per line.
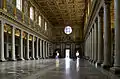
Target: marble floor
(53,69)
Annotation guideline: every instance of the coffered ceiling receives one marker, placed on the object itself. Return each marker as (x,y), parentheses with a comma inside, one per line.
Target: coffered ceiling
(63,12)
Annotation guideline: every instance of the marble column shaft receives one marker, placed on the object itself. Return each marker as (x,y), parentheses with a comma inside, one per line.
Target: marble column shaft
(96,41)
(87,41)
(107,35)
(46,50)
(40,48)
(93,43)
(117,36)
(100,40)
(21,45)
(37,48)
(86,47)
(27,47)
(13,43)
(33,47)
(7,45)
(2,58)
(43,48)
(89,45)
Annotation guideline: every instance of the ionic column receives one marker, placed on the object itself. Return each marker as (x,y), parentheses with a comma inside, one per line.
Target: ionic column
(27,47)
(21,45)
(2,58)
(100,40)
(92,43)
(7,44)
(43,49)
(116,67)
(107,36)
(33,48)
(37,48)
(46,50)
(13,43)
(40,48)
(95,42)
(86,47)
(7,51)
(88,52)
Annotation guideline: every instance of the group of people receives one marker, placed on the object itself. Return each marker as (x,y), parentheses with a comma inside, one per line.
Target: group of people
(74,57)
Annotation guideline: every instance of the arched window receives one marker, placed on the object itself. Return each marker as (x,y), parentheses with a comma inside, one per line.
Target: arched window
(19,4)
(40,21)
(31,13)
(45,25)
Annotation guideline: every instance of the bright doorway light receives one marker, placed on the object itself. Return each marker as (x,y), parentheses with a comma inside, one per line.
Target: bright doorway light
(67,52)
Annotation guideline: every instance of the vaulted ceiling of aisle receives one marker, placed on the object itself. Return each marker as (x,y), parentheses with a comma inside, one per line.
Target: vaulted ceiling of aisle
(63,12)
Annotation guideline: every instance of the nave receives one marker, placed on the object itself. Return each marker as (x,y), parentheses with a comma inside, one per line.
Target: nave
(54,69)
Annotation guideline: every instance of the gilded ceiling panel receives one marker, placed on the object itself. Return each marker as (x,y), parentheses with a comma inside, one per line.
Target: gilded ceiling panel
(64,11)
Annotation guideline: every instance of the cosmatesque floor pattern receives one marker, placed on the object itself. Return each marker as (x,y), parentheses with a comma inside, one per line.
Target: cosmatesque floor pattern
(52,69)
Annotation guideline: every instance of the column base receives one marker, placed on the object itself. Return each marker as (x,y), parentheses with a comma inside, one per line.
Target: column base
(99,64)
(2,60)
(115,70)
(37,58)
(106,66)
(27,58)
(86,58)
(21,59)
(94,62)
(90,60)
(32,58)
(12,59)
